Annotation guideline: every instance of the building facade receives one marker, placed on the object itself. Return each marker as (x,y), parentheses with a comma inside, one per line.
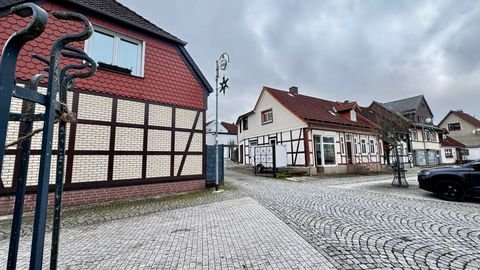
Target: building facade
(227,136)
(464,128)
(140,126)
(421,143)
(326,136)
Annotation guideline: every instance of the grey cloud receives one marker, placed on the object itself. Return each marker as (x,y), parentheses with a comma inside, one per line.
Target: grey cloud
(357,50)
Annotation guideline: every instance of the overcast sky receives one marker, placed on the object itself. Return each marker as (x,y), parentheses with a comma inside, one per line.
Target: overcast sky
(335,50)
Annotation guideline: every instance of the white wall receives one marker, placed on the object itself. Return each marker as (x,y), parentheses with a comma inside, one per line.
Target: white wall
(474,153)
(283,119)
(445,160)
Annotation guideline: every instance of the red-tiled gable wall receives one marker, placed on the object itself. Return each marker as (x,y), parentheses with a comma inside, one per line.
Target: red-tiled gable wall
(167,78)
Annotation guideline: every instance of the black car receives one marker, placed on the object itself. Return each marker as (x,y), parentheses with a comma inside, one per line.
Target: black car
(452,183)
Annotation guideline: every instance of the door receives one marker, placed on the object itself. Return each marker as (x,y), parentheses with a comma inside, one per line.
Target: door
(241,154)
(349,152)
(349,148)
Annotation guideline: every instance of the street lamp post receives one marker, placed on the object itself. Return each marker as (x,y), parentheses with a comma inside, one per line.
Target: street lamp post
(428,121)
(221,64)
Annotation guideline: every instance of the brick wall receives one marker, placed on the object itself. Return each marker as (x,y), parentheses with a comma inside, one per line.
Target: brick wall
(90,196)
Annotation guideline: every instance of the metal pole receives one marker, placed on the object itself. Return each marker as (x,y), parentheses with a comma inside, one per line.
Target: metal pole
(216,126)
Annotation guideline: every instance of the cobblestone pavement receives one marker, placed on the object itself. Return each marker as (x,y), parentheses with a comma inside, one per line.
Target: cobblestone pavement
(360,229)
(99,213)
(233,234)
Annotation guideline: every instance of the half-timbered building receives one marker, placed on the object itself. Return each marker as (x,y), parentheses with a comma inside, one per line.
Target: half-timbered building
(140,119)
(329,136)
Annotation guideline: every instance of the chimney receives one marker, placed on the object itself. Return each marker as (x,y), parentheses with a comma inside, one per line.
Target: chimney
(293,90)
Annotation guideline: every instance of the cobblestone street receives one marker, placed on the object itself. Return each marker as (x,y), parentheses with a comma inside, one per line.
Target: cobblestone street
(262,223)
(361,229)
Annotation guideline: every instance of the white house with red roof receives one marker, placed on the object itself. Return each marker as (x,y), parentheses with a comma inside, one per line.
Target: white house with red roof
(451,150)
(227,136)
(332,137)
(465,129)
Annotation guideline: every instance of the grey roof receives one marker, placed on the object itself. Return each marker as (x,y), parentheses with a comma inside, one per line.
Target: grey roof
(111,9)
(406,105)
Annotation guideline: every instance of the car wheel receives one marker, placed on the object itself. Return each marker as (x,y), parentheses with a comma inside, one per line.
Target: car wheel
(450,191)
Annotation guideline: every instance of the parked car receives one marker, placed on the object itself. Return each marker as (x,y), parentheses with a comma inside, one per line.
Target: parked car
(452,183)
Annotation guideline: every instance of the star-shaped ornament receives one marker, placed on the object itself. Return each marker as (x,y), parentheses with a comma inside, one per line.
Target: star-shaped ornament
(223,85)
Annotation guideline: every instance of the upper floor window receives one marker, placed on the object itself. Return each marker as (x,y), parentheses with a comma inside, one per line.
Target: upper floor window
(454,126)
(413,134)
(245,123)
(267,117)
(116,51)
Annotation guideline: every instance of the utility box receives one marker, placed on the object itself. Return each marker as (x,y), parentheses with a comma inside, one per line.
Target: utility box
(211,161)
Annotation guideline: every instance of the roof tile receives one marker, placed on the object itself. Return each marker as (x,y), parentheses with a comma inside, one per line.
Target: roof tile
(317,111)
(160,59)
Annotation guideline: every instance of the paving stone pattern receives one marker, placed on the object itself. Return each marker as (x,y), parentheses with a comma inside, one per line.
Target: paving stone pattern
(358,229)
(233,234)
(347,224)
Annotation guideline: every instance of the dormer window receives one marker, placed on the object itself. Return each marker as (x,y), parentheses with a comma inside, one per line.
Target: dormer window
(353,115)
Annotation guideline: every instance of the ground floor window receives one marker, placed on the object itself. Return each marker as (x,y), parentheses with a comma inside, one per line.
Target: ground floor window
(448,153)
(342,145)
(364,146)
(324,150)
(372,147)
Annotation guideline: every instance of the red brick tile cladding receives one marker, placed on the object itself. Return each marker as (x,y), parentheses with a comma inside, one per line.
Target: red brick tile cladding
(167,78)
(89,196)
(316,111)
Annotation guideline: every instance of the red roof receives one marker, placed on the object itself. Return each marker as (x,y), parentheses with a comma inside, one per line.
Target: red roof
(168,79)
(317,111)
(449,141)
(346,106)
(231,128)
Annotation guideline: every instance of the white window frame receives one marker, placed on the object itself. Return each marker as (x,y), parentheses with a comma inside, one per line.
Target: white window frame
(448,153)
(342,145)
(356,144)
(372,147)
(267,113)
(363,146)
(116,41)
(353,115)
(323,151)
(454,123)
